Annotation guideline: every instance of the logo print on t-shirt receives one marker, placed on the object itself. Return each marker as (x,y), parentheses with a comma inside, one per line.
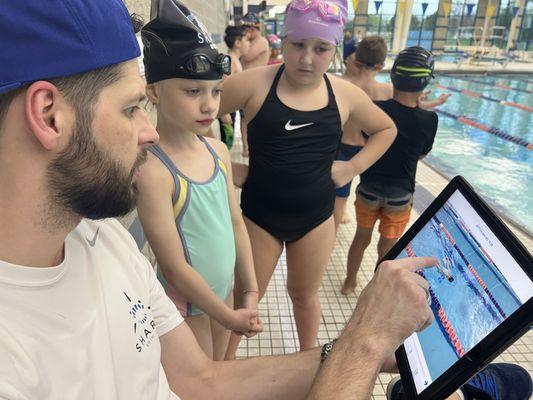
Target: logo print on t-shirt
(290,127)
(143,323)
(92,241)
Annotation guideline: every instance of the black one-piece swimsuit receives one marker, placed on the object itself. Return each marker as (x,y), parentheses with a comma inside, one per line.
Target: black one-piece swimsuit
(289,190)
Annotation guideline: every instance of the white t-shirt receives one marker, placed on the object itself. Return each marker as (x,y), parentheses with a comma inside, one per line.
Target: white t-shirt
(88,328)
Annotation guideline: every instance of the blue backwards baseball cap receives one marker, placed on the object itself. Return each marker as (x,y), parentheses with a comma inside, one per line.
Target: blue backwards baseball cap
(55,38)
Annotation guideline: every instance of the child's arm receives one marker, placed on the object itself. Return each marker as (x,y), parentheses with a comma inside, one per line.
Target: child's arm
(371,120)
(154,206)
(240,173)
(236,91)
(245,262)
(426,104)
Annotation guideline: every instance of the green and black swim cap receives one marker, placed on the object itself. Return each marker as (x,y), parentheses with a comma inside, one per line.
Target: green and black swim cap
(177,45)
(412,70)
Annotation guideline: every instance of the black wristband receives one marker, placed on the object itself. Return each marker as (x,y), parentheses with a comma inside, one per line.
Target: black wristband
(326,349)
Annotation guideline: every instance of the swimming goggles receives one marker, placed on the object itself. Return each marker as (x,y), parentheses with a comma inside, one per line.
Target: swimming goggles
(201,64)
(326,10)
(365,64)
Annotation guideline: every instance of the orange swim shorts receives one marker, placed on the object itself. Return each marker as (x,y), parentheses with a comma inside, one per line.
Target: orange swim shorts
(393,213)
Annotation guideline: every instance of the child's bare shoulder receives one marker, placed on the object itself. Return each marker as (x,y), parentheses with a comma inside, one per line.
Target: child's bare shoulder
(153,173)
(382,91)
(220,148)
(343,87)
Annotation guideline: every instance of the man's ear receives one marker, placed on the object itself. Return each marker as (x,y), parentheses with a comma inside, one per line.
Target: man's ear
(45,114)
(151,93)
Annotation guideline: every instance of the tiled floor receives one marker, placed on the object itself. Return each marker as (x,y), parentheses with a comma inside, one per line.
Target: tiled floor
(280,336)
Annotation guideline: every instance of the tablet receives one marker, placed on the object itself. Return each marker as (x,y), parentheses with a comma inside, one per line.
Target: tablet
(481,292)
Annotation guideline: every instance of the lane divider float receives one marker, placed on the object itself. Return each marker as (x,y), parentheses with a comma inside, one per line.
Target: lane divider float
(489,129)
(470,93)
(498,85)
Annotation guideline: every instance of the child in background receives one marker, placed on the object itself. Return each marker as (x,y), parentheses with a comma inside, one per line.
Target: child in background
(275,49)
(364,61)
(236,39)
(186,200)
(387,187)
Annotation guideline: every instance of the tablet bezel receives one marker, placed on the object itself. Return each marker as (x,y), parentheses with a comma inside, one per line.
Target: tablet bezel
(498,340)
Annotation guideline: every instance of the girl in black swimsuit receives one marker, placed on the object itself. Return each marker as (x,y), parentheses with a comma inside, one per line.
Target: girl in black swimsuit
(296,115)
(289,190)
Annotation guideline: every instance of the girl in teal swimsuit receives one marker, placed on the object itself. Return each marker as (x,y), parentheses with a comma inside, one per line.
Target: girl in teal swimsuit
(186,201)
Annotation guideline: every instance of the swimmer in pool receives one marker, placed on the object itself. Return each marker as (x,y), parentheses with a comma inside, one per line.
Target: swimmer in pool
(446,271)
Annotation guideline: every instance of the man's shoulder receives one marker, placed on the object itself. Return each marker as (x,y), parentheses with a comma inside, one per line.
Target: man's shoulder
(110,248)
(106,235)
(107,226)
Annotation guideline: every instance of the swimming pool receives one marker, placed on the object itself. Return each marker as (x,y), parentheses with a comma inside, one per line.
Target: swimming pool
(497,163)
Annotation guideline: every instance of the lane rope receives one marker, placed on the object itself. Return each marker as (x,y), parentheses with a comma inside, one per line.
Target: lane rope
(486,128)
(498,85)
(470,93)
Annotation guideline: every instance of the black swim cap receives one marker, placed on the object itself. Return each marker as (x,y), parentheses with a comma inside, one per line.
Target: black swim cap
(177,45)
(412,70)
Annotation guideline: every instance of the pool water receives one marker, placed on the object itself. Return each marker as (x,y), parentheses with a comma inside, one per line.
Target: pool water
(500,170)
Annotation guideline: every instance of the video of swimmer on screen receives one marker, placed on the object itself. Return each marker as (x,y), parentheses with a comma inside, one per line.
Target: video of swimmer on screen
(474,287)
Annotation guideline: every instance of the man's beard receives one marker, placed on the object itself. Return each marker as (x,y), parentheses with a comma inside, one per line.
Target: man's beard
(85,180)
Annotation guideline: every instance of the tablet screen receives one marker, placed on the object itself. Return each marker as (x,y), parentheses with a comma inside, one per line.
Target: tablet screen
(475,286)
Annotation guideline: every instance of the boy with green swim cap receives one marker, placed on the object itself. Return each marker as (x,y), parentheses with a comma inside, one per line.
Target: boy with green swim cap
(386,188)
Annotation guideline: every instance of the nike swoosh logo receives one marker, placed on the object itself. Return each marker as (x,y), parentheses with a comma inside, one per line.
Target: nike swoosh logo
(93,241)
(290,127)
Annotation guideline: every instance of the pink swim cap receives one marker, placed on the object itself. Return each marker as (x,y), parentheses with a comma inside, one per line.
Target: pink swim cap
(320,19)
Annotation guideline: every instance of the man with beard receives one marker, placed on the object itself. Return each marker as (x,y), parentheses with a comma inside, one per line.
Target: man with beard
(82,315)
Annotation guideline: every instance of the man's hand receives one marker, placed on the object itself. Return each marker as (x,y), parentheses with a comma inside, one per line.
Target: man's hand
(394,304)
(342,173)
(390,366)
